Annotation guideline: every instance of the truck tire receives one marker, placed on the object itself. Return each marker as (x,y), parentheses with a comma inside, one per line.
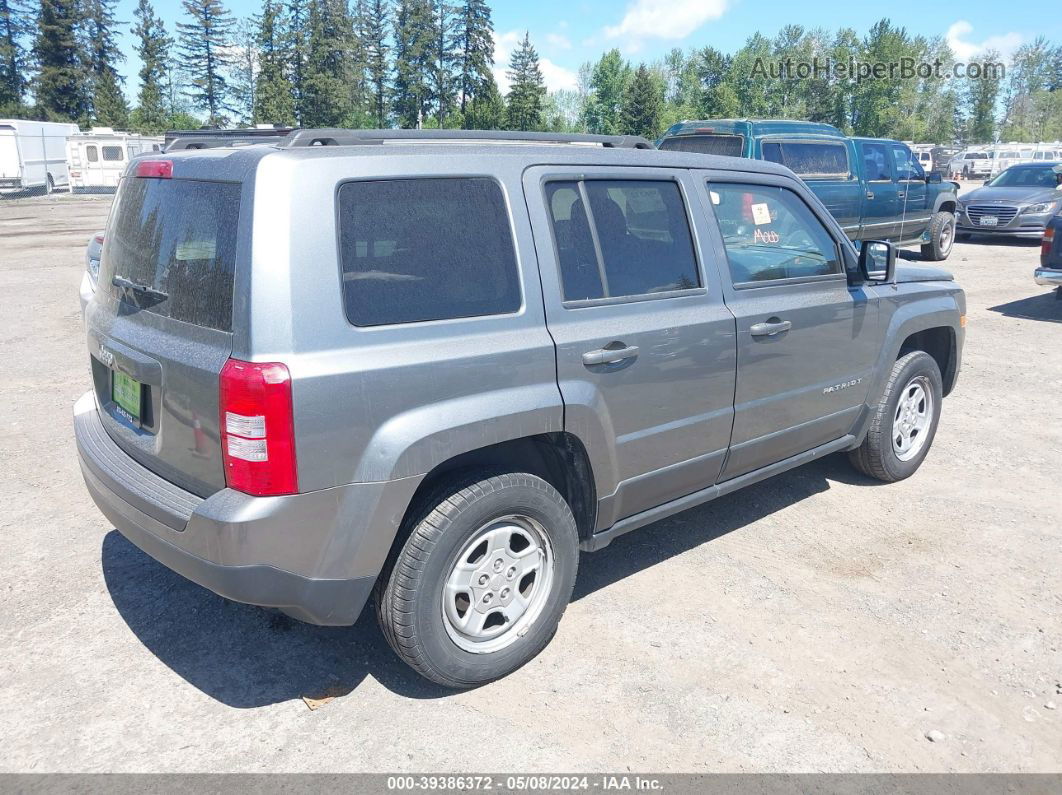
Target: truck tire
(904,422)
(941,237)
(480,584)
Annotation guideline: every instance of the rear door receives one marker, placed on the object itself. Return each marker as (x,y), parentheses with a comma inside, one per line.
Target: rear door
(160,324)
(645,345)
(881,208)
(806,341)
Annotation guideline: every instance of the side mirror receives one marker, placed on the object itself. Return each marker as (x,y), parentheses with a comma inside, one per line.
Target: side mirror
(933,177)
(877,261)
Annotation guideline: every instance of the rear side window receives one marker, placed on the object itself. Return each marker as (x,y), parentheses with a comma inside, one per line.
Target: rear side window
(426,249)
(175,239)
(810,160)
(113,153)
(770,234)
(633,239)
(727,145)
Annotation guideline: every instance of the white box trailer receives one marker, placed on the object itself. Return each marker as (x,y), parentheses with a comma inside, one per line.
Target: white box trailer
(33,155)
(97,159)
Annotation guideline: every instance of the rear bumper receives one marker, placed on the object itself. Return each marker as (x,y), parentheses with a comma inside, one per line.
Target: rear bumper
(1047,277)
(314,555)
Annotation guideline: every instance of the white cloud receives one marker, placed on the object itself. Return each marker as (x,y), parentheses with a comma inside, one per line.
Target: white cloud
(665,19)
(556,76)
(557,41)
(964,50)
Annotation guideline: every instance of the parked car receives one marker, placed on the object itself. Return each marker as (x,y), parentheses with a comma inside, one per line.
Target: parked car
(90,278)
(1049,274)
(971,164)
(1015,203)
(435,367)
(874,187)
(33,155)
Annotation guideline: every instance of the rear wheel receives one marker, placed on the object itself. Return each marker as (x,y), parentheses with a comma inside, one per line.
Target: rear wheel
(904,421)
(941,237)
(481,583)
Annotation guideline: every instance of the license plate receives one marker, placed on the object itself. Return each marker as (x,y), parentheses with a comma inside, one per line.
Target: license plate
(126,393)
(988,220)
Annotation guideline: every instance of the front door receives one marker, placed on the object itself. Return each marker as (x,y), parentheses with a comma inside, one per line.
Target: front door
(881,208)
(911,194)
(806,341)
(645,344)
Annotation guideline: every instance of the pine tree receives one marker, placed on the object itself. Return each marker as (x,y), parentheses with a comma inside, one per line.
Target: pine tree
(297,18)
(205,46)
(476,42)
(15,22)
(486,109)
(981,100)
(274,93)
(243,72)
(527,89)
(414,38)
(642,105)
(443,59)
(326,96)
(109,107)
(374,19)
(153,48)
(608,83)
(60,88)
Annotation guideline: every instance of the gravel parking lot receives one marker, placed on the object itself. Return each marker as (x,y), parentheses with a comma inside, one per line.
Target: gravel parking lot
(818,621)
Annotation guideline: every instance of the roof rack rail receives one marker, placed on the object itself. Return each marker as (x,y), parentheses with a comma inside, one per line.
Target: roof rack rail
(343,137)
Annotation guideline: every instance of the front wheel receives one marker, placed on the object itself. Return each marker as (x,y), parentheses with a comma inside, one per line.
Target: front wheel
(481,583)
(941,237)
(904,422)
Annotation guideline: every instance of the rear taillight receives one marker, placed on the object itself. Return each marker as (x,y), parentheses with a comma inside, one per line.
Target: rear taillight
(160,169)
(1045,247)
(258,428)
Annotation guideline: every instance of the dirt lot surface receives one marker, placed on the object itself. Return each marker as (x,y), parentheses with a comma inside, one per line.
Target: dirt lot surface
(815,622)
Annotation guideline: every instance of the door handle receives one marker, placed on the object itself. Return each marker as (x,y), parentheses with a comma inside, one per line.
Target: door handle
(609,355)
(870,194)
(901,195)
(770,328)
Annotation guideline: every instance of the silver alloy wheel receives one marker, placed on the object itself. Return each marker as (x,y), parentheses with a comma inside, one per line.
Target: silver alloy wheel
(911,422)
(498,584)
(947,237)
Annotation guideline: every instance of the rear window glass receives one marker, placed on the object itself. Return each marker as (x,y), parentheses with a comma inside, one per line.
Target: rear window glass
(809,159)
(176,240)
(112,153)
(727,145)
(426,249)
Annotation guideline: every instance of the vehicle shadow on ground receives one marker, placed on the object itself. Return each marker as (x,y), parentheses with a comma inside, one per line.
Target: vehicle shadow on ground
(246,656)
(1045,306)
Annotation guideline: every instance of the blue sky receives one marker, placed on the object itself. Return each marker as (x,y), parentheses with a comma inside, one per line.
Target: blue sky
(569,32)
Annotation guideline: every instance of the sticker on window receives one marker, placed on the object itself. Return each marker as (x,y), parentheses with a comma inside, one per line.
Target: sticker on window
(761,214)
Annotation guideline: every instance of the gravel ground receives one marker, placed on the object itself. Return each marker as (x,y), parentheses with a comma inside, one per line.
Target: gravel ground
(815,622)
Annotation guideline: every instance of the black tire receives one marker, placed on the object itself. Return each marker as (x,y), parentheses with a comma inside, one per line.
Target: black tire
(875,457)
(409,595)
(941,237)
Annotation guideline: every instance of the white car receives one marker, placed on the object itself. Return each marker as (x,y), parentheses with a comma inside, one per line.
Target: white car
(970,164)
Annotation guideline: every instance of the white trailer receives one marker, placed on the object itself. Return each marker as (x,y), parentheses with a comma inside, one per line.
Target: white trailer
(97,159)
(33,155)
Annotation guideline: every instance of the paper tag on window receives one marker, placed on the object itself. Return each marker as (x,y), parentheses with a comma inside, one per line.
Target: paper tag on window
(761,214)
(715,197)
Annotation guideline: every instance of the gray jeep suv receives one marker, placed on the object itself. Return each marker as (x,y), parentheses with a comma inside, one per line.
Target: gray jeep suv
(437,366)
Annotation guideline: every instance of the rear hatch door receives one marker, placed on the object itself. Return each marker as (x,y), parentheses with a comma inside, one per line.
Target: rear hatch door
(160,325)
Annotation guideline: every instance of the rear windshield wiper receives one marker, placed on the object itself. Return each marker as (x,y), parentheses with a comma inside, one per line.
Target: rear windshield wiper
(141,290)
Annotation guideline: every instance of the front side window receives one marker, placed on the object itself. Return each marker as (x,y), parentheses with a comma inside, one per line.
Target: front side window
(633,238)
(426,249)
(907,168)
(876,163)
(770,234)
(113,153)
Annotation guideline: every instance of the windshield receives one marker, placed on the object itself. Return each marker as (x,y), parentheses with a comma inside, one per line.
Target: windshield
(1040,177)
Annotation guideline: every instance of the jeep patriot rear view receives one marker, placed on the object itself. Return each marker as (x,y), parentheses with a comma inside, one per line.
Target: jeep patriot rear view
(434,367)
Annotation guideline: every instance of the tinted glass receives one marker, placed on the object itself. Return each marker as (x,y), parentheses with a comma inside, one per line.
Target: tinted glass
(426,249)
(176,237)
(91,154)
(643,233)
(876,160)
(769,234)
(727,145)
(1026,177)
(112,153)
(810,159)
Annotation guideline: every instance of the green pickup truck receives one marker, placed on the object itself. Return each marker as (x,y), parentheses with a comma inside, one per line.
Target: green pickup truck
(874,187)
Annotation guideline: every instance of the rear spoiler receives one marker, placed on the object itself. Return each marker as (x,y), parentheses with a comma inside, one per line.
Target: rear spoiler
(219,141)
